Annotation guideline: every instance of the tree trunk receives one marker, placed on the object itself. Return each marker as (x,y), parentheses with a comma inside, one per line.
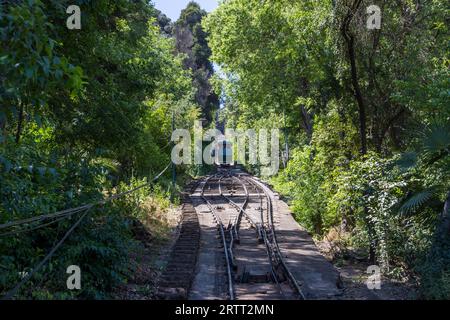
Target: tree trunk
(306,122)
(445,218)
(379,137)
(351,55)
(359,98)
(19,123)
(350,42)
(358,95)
(3,126)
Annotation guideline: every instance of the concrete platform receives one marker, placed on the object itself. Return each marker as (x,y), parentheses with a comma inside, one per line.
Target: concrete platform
(318,277)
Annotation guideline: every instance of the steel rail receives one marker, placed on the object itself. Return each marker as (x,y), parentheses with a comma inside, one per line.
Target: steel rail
(262,233)
(234,234)
(275,241)
(222,233)
(241,209)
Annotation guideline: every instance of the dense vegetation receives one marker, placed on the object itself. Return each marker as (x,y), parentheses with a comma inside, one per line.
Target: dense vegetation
(83,113)
(365,115)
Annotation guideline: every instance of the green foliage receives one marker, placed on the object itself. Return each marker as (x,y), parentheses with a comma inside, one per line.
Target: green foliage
(35,183)
(302,182)
(86,114)
(416,201)
(30,66)
(434,269)
(436,141)
(296,65)
(83,114)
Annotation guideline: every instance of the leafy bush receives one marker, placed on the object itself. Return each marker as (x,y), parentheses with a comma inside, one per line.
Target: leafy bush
(382,202)
(100,246)
(34,183)
(80,115)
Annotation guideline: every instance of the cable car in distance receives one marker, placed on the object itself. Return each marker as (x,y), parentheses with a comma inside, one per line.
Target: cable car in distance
(224,157)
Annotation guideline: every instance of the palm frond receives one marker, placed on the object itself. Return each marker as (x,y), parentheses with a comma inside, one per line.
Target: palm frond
(407,161)
(109,164)
(416,201)
(436,139)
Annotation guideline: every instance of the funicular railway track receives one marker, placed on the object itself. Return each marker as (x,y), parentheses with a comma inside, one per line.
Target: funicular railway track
(238,242)
(226,246)
(254,264)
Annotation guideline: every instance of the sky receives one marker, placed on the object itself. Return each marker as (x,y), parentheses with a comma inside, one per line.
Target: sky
(172,8)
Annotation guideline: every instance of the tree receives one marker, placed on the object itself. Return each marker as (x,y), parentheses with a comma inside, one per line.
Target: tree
(83,114)
(350,99)
(191,41)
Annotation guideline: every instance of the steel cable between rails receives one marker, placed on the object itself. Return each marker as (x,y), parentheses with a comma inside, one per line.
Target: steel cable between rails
(10,294)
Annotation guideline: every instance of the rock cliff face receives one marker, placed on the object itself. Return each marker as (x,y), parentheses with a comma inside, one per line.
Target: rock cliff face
(191,41)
